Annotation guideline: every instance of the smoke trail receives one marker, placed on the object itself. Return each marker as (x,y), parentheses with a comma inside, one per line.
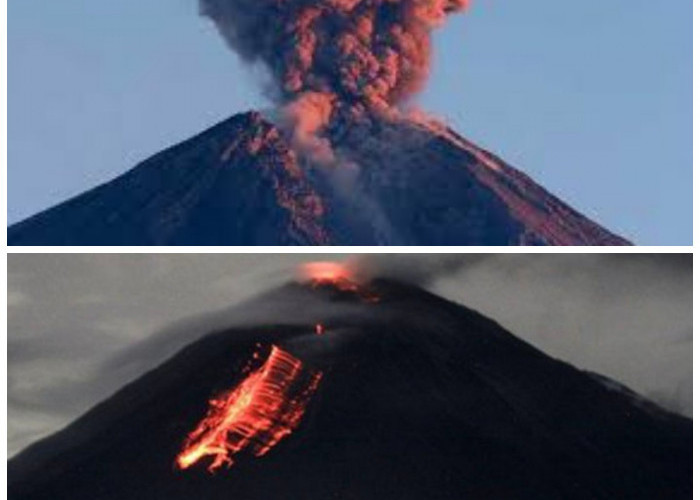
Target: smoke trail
(330,57)
(418,269)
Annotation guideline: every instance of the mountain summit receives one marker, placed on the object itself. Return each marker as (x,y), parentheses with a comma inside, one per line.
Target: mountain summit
(398,182)
(378,391)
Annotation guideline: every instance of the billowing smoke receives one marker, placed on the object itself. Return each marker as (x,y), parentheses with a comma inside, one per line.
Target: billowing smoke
(333,57)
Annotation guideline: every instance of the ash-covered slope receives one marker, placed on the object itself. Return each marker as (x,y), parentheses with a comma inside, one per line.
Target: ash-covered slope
(240,183)
(420,398)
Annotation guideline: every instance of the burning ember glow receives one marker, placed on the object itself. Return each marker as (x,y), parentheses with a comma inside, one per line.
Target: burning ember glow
(330,273)
(255,415)
(337,275)
(326,272)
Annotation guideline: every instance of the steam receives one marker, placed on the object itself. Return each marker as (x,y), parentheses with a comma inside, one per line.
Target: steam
(333,57)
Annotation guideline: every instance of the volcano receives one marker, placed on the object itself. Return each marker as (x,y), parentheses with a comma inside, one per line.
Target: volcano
(372,392)
(402,182)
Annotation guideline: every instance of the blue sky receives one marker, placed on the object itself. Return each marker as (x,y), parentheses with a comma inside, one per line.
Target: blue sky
(592,99)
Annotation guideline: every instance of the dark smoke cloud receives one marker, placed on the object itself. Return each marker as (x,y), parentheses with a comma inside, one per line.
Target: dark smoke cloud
(331,56)
(629,317)
(420,270)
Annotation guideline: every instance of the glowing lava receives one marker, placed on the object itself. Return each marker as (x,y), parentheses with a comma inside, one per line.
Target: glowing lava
(337,275)
(327,272)
(254,416)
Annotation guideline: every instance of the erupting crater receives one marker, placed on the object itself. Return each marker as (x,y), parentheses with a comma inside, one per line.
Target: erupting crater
(328,273)
(337,275)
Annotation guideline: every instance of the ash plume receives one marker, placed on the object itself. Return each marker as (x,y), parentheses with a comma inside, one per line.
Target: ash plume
(417,269)
(333,59)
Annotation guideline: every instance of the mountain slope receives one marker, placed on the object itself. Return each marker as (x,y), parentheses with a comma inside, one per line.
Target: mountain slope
(420,398)
(240,183)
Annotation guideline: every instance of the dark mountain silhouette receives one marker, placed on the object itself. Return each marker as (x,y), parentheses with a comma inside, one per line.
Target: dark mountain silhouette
(420,398)
(240,183)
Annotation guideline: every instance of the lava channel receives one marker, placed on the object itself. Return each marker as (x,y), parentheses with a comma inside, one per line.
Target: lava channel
(253,416)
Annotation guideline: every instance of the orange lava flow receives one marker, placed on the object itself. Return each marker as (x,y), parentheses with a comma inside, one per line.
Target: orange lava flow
(255,415)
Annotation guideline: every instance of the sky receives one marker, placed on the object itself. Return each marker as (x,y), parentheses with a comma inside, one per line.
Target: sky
(80,326)
(592,99)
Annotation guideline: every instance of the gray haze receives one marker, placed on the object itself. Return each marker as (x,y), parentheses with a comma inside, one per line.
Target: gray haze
(80,326)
